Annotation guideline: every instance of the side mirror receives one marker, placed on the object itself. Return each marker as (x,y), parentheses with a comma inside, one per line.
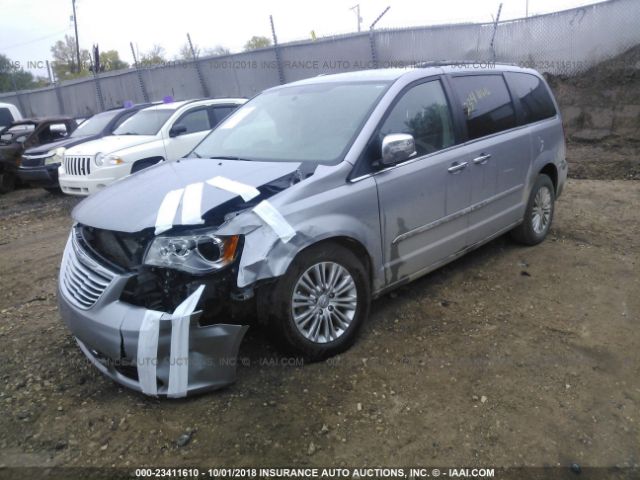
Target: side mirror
(397,147)
(177,130)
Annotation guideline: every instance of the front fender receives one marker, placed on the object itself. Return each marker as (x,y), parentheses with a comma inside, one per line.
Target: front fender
(346,210)
(132,154)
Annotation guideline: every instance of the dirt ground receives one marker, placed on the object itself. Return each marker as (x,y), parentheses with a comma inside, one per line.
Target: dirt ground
(509,356)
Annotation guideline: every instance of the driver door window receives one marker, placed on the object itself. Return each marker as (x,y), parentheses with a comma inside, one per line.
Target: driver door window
(195,121)
(422,112)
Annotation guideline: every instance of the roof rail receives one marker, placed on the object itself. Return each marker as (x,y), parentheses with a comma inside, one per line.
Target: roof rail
(445,63)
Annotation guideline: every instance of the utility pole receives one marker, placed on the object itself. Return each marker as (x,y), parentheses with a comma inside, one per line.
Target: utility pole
(276,51)
(49,73)
(196,63)
(145,94)
(495,28)
(356,9)
(372,40)
(75,24)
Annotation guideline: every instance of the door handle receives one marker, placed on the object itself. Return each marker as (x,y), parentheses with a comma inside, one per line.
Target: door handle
(456,167)
(482,159)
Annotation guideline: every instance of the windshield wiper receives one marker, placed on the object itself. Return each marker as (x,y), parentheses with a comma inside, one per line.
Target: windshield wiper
(227,157)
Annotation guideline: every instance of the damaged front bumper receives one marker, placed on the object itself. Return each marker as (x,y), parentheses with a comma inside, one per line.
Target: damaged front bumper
(108,332)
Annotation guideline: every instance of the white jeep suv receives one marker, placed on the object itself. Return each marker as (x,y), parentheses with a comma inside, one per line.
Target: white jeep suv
(163,132)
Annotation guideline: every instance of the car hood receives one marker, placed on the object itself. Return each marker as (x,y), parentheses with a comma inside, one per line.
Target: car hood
(131,204)
(110,144)
(65,142)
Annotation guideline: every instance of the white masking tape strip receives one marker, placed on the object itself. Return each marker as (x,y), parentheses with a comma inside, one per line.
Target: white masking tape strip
(179,357)
(247,192)
(167,210)
(147,357)
(272,217)
(191,203)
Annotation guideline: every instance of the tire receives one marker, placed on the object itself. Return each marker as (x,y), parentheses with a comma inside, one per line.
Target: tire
(539,213)
(346,318)
(7,182)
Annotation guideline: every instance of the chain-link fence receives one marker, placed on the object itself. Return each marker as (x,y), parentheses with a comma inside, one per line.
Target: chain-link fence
(562,43)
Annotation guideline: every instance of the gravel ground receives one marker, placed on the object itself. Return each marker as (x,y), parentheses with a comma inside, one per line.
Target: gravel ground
(508,356)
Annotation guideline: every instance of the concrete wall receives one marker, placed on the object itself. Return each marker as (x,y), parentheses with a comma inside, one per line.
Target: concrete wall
(566,42)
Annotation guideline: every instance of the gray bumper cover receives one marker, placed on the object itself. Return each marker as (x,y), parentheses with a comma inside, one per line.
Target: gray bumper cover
(108,331)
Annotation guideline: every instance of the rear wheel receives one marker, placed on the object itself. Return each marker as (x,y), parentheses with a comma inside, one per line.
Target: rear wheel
(539,213)
(318,306)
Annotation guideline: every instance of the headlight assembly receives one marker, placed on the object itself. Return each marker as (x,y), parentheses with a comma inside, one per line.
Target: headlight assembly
(113,160)
(55,156)
(107,160)
(193,253)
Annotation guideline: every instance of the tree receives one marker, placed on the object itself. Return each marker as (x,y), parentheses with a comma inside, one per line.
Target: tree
(217,51)
(257,42)
(155,56)
(185,51)
(10,73)
(65,59)
(110,60)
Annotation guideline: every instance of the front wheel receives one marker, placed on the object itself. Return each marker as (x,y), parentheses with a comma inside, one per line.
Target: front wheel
(539,213)
(318,306)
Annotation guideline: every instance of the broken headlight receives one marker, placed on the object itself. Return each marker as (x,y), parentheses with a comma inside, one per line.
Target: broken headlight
(194,253)
(54,156)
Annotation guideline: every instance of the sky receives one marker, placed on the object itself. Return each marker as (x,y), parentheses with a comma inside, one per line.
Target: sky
(28,28)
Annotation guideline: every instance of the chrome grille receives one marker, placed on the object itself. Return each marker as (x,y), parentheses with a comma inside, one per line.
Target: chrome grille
(77,165)
(82,280)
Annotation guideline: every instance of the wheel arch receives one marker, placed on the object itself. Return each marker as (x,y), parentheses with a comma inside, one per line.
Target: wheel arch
(146,162)
(351,244)
(552,172)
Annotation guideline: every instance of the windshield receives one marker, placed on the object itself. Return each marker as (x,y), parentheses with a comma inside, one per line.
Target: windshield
(94,125)
(145,122)
(305,123)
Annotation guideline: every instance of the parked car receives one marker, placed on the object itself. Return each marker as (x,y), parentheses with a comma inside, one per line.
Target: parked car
(9,113)
(304,205)
(24,134)
(159,133)
(40,164)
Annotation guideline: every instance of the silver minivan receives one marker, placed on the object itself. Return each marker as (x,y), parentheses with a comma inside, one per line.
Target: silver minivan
(305,204)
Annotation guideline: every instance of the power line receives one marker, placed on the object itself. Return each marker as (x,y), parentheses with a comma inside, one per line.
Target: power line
(35,39)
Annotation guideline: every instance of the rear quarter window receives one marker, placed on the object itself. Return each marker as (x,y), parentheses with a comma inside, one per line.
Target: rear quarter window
(533,95)
(5,117)
(486,104)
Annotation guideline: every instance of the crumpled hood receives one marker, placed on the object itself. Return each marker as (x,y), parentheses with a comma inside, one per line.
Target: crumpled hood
(65,142)
(110,144)
(131,204)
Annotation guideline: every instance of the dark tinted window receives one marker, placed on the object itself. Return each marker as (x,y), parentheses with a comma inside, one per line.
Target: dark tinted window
(422,112)
(5,117)
(220,113)
(486,104)
(534,97)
